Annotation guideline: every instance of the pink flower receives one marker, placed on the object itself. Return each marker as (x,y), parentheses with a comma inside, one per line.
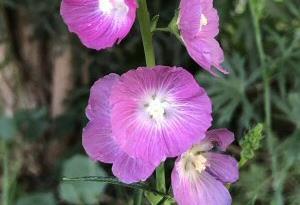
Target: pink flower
(158,112)
(199,174)
(99,23)
(144,116)
(98,140)
(199,25)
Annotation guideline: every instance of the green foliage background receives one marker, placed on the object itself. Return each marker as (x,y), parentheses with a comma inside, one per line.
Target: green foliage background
(238,102)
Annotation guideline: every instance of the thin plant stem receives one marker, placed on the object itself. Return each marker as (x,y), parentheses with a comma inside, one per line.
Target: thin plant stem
(138,197)
(145,27)
(160,178)
(5,182)
(267,107)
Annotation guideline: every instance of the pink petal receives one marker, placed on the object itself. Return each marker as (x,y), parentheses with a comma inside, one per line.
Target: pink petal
(100,146)
(221,138)
(98,142)
(130,170)
(100,92)
(223,167)
(187,117)
(95,28)
(205,190)
(190,16)
(206,52)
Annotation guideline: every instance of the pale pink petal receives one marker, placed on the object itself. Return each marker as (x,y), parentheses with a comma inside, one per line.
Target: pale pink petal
(99,24)
(204,190)
(224,167)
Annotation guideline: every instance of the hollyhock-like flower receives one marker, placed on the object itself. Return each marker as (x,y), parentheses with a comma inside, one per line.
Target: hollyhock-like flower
(199,174)
(158,112)
(99,142)
(99,23)
(199,24)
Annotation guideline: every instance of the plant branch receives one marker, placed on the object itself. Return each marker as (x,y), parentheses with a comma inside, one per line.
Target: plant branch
(267,106)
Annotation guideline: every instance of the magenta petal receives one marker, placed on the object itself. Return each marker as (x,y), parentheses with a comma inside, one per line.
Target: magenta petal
(206,52)
(98,142)
(98,105)
(221,138)
(99,24)
(205,189)
(223,167)
(187,114)
(130,170)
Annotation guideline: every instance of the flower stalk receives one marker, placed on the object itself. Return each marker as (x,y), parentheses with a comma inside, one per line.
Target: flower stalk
(267,106)
(145,27)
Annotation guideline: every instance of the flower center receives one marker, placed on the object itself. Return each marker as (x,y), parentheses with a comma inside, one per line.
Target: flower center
(192,164)
(156,108)
(203,21)
(113,7)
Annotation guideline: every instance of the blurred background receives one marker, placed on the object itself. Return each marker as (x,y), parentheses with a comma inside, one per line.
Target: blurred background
(46,73)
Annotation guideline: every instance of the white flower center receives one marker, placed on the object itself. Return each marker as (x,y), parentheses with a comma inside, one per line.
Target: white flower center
(203,21)
(114,7)
(194,162)
(156,108)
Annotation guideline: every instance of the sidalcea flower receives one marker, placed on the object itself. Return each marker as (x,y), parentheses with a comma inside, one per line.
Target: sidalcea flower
(99,142)
(199,24)
(99,23)
(199,174)
(158,113)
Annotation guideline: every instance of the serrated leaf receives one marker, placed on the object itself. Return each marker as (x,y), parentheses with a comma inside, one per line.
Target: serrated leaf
(81,191)
(253,184)
(250,143)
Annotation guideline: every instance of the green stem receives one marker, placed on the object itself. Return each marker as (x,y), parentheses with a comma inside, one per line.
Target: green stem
(5,182)
(138,197)
(145,27)
(267,107)
(160,178)
(114,181)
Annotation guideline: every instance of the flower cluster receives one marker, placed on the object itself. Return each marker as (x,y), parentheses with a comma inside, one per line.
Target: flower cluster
(140,118)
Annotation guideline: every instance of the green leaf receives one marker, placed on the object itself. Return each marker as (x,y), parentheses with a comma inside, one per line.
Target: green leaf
(253,184)
(8,129)
(32,123)
(250,143)
(154,199)
(81,192)
(37,198)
